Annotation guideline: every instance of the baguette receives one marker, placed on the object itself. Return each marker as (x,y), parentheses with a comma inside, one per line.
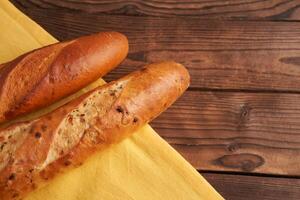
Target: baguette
(43,76)
(34,152)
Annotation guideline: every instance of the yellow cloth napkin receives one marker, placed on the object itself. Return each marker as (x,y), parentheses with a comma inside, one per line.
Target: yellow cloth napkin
(141,167)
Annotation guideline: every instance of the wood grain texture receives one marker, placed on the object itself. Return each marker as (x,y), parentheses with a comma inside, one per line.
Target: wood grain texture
(217,9)
(232,131)
(220,55)
(235,131)
(242,112)
(237,187)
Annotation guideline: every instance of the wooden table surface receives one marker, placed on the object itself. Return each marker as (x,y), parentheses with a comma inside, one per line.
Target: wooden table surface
(239,122)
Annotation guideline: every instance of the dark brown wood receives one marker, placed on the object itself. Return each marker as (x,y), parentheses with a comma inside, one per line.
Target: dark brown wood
(222,55)
(242,112)
(237,187)
(235,131)
(231,131)
(219,9)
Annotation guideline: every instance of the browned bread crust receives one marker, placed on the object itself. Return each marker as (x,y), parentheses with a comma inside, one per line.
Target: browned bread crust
(33,152)
(45,75)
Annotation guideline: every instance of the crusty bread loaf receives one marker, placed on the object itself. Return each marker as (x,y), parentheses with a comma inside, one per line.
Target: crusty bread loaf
(33,152)
(45,75)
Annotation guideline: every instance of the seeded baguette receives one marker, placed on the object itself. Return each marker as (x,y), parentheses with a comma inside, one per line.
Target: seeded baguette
(34,152)
(43,76)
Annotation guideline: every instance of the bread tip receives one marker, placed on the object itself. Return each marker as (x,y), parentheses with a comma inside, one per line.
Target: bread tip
(182,70)
(119,37)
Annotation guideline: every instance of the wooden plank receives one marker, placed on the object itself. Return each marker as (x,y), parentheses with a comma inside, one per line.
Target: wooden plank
(231,131)
(237,187)
(221,55)
(231,55)
(231,9)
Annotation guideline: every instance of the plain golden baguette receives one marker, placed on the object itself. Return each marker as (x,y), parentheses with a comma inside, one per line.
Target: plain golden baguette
(33,152)
(45,75)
